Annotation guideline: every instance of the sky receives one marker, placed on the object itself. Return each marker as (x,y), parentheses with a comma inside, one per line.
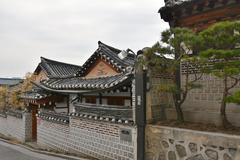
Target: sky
(68,30)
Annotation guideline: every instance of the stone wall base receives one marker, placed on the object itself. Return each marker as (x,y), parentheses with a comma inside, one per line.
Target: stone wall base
(167,143)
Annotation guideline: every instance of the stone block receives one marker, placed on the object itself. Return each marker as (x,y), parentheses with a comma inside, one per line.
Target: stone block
(193,147)
(211,154)
(196,157)
(181,150)
(172,155)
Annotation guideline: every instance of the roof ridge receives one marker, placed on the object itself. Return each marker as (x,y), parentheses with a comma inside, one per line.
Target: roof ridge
(54,61)
(109,47)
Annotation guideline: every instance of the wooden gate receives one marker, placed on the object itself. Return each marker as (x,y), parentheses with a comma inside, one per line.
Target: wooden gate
(34,123)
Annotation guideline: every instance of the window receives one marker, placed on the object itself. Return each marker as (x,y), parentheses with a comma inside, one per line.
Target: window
(116,101)
(90,100)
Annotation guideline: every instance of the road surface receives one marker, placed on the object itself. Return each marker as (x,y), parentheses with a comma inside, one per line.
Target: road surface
(13,152)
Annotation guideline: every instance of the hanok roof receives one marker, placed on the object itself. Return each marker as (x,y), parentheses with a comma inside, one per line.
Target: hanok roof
(115,114)
(175,2)
(80,84)
(177,9)
(10,81)
(57,69)
(35,94)
(104,110)
(111,56)
(61,118)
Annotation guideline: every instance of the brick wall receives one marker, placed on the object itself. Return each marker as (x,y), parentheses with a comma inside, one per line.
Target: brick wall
(207,100)
(3,125)
(101,140)
(157,101)
(53,135)
(201,105)
(19,128)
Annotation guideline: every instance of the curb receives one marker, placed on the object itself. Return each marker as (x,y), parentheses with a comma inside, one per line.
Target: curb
(44,152)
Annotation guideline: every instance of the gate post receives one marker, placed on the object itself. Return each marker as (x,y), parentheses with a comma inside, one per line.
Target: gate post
(140,81)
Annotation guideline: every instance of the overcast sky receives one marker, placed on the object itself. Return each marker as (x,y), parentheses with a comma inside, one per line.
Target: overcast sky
(68,30)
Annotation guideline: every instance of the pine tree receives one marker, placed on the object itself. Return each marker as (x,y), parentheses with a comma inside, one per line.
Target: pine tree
(180,44)
(220,50)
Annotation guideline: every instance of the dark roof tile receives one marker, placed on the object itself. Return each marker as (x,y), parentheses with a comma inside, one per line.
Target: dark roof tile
(35,94)
(80,83)
(111,56)
(57,69)
(118,114)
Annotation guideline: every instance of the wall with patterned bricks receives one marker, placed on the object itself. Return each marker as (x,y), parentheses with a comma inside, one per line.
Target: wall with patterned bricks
(101,140)
(19,128)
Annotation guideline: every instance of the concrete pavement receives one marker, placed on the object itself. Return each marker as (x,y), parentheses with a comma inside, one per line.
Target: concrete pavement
(14,152)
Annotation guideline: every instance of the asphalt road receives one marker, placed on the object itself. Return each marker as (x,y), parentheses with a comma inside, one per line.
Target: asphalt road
(13,152)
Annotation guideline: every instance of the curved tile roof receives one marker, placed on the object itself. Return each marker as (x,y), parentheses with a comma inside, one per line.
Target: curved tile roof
(57,69)
(175,2)
(111,56)
(81,84)
(35,94)
(107,111)
(61,118)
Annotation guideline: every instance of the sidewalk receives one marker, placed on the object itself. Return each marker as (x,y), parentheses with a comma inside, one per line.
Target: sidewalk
(33,147)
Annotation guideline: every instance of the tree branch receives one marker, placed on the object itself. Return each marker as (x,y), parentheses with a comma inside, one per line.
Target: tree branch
(184,94)
(236,80)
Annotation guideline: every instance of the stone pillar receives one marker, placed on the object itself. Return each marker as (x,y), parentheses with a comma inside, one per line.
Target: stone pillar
(149,95)
(27,124)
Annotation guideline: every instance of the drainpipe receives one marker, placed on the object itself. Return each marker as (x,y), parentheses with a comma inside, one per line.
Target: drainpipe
(140,77)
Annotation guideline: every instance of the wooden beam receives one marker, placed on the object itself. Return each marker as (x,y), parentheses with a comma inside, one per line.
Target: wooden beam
(208,17)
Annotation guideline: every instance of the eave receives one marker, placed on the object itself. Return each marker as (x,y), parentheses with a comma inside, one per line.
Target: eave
(81,91)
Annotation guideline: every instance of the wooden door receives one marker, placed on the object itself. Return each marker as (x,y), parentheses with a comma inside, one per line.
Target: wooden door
(34,123)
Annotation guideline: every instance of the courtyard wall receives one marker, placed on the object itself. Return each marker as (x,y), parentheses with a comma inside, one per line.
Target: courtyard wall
(17,125)
(101,139)
(202,105)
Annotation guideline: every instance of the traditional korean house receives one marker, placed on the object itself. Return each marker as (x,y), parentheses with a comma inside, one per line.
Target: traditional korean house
(199,14)
(102,86)
(48,69)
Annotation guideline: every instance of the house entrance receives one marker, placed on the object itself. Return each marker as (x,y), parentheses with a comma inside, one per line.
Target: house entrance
(34,123)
